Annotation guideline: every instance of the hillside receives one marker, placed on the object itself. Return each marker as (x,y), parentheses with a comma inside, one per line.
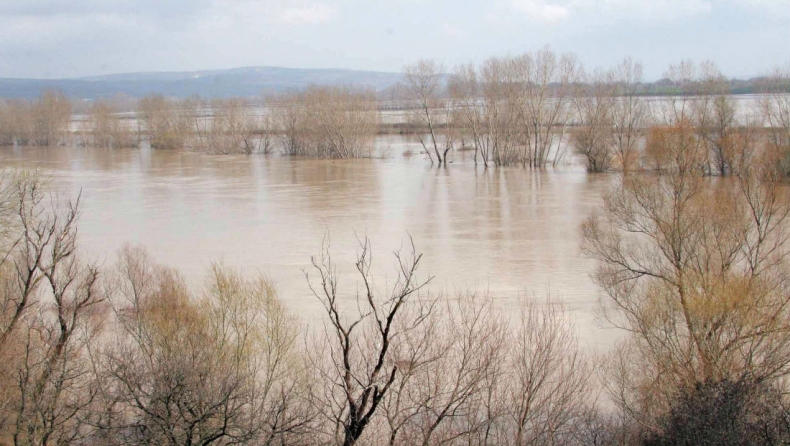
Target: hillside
(248,81)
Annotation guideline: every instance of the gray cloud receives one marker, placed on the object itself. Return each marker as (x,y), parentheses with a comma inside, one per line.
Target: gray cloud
(150,8)
(59,38)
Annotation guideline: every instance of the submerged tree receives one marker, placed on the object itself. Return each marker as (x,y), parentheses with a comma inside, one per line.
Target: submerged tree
(327,122)
(230,126)
(105,128)
(424,81)
(51,114)
(630,113)
(515,109)
(16,122)
(166,122)
(594,137)
(775,111)
(543,84)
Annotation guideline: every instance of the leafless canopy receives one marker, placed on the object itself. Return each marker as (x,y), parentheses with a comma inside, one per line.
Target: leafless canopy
(327,122)
(695,271)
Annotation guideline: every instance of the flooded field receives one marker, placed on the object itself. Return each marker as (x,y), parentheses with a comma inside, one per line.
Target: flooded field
(511,231)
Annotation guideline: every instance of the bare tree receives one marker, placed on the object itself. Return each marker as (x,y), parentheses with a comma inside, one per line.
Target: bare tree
(703,102)
(593,108)
(48,300)
(485,113)
(424,81)
(16,122)
(33,234)
(549,378)
(465,91)
(695,272)
(361,368)
(51,114)
(682,118)
(105,128)
(289,118)
(54,381)
(775,108)
(630,113)
(230,126)
(718,130)
(506,137)
(517,108)
(544,84)
(327,122)
(346,119)
(448,368)
(184,371)
(166,122)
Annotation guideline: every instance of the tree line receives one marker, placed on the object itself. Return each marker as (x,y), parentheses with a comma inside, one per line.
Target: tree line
(328,122)
(533,110)
(536,109)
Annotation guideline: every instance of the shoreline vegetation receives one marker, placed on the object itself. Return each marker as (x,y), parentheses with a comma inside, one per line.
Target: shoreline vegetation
(690,246)
(692,271)
(533,110)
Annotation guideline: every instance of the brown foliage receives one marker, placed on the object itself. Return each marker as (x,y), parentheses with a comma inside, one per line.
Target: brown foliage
(166,122)
(775,110)
(16,125)
(51,114)
(594,136)
(216,368)
(43,122)
(695,271)
(630,113)
(327,122)
(226,126)
(105,128)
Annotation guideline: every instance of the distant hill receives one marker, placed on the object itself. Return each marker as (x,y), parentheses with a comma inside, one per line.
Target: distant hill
(253,81)
(248,81)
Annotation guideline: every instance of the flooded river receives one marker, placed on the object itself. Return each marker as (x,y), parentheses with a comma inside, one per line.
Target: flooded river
(511,231)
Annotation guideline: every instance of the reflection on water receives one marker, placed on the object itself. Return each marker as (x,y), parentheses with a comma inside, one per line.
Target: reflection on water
(512,231)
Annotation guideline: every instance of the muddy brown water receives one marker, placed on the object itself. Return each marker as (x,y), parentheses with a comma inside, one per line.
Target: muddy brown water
(511,231)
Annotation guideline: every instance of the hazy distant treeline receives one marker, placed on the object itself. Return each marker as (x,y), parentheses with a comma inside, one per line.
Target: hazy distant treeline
(327,122)
(535,110)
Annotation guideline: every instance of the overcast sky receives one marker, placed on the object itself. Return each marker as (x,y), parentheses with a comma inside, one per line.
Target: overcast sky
(71,38)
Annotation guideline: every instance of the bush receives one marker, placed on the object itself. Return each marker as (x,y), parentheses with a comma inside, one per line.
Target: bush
(726,413)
